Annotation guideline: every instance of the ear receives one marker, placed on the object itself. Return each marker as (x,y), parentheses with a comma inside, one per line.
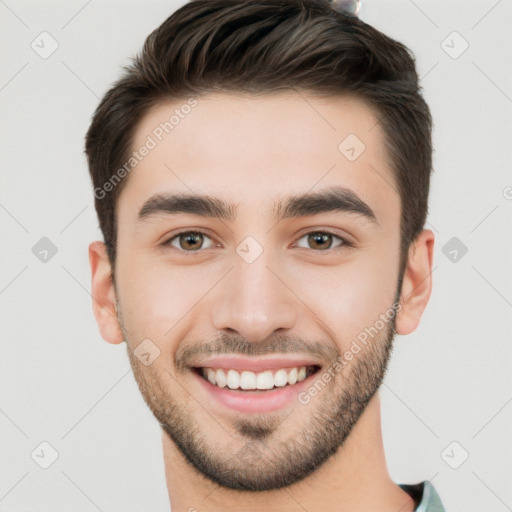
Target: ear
(417,283)
(103,294)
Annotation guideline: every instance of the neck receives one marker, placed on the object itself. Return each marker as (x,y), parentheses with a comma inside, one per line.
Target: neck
(354,479)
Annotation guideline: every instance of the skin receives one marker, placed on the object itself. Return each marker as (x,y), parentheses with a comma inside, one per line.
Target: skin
(252,152)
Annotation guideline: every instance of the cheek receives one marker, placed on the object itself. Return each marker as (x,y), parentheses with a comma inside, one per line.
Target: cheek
(149,298)
(350,297)
(158,298)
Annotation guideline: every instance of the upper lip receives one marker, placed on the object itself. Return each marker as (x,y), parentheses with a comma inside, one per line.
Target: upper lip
(252,364)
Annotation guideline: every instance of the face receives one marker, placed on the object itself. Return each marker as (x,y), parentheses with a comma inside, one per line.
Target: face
(270,285)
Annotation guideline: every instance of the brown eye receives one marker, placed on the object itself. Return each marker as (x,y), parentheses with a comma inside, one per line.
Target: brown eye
(189,241)
(322,241)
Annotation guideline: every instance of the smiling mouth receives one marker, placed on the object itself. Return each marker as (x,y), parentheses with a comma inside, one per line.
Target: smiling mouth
(245,380)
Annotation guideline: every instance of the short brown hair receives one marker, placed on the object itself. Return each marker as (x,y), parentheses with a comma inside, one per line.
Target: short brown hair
(264,46)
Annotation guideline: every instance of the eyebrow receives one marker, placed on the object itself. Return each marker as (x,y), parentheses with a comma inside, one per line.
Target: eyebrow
(336,199)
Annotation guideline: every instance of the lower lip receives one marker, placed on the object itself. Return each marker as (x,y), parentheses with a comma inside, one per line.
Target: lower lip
(256,401)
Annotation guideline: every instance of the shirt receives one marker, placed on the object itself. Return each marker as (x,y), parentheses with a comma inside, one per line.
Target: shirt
(425,492)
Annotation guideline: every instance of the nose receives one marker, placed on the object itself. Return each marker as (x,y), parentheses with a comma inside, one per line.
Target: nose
(254,302)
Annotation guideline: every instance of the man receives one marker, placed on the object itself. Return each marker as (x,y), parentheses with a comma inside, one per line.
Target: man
(261,175)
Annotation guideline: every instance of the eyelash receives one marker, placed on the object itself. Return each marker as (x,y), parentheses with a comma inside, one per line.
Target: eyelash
(345,244)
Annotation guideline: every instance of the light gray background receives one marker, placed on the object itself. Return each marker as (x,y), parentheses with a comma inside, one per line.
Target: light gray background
(61,383)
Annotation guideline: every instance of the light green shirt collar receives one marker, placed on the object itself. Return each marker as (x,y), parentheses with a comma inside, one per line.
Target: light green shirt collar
(430,500)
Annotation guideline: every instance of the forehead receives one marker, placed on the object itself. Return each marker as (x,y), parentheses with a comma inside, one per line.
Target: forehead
(253,151)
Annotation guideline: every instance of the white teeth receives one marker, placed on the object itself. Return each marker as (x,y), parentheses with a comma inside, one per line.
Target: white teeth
(220,379)
(211,375)
(233,379)
(250,380)
(280,378)
(264,380)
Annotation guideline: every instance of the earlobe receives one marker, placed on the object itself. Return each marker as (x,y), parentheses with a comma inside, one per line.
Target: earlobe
(104,301)
(417,283)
